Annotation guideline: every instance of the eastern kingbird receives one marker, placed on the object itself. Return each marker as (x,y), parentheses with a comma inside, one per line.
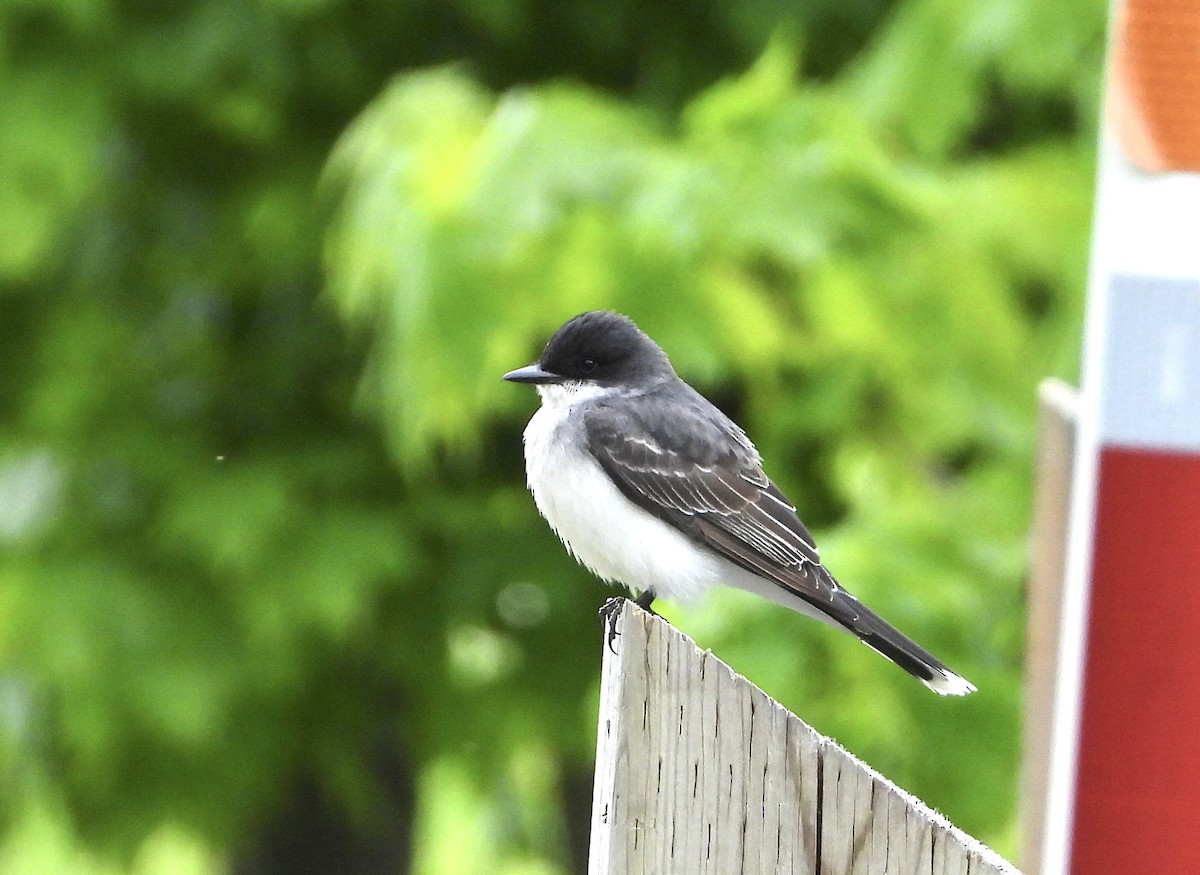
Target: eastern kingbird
(650,485)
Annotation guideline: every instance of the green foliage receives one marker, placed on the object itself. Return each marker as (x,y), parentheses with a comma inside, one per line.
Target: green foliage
(261,498)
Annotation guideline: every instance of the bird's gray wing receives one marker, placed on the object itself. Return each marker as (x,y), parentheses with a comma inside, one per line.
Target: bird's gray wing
(683,461)
(677,457)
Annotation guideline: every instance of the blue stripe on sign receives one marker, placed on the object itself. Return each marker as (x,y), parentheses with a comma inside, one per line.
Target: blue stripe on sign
(1150,395)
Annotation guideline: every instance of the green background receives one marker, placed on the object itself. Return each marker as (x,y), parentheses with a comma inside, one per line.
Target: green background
(273,597)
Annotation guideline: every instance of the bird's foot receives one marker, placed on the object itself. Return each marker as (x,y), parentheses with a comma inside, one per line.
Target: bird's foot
(609,612)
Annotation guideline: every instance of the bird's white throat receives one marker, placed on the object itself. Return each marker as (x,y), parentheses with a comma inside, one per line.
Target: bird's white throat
(565,395)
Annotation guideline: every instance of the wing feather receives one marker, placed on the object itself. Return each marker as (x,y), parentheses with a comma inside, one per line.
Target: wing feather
(702,475)
(685,462)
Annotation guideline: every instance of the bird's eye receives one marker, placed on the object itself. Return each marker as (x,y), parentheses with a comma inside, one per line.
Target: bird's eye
(587,365)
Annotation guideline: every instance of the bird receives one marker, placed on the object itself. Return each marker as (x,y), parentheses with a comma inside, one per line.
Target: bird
(650,486)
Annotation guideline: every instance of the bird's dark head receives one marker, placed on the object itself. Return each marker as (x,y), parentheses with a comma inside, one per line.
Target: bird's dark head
(598,347)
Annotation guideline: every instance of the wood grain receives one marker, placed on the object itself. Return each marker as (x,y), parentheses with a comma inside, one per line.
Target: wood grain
(698,772)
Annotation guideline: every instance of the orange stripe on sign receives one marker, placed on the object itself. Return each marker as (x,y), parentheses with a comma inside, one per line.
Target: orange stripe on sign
(1155,96)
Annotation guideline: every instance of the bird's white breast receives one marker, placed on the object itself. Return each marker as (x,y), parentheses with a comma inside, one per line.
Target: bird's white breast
(613,537)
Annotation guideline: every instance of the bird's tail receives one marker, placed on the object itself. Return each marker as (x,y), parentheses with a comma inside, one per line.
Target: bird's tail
(875,632)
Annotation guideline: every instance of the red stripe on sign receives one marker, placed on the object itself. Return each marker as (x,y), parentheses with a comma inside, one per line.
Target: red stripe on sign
(1137,804)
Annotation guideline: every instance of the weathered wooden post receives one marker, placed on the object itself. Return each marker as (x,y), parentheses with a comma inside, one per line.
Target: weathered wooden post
(699,771)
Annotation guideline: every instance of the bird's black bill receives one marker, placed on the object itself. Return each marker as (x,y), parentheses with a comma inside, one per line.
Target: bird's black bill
(532,374)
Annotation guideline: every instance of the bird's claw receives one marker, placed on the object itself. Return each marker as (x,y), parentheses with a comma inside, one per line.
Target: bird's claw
(610,611)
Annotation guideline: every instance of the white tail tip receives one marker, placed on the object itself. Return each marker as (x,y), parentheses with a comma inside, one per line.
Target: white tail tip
(947,683)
